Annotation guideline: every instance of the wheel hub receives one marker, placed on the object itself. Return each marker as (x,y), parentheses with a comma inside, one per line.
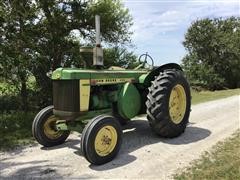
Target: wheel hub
(49,128)
(177,104)
(105,140)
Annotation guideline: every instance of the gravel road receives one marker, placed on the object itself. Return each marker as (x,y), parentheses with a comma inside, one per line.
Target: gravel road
(143,155)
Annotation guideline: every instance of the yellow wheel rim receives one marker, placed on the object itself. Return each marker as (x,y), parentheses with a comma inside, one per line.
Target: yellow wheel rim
(177,104)
(105,140)
(49,128)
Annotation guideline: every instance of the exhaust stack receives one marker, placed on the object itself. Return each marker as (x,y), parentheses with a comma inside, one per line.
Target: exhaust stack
(97,26)
(97,50)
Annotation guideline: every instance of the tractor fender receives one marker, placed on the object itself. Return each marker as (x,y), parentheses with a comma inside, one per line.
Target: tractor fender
(146,79)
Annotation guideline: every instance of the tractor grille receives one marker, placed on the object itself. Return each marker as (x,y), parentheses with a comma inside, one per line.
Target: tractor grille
(66,95)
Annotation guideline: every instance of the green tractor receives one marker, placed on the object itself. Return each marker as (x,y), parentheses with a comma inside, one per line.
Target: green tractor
(97,102)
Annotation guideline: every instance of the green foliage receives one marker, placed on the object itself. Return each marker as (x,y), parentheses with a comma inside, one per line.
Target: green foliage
(213,58)
(15,129)
(10,98)
(39,36)
(7,89)
(119,57)
(9,102)
(16,28)
(115,21)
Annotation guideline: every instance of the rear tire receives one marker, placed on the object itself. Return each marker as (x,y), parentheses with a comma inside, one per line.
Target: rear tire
(43,129)
(168,103)
(101,139)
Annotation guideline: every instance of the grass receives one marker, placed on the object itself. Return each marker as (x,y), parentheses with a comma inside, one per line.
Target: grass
(221,163)
(15,129)
(203,96)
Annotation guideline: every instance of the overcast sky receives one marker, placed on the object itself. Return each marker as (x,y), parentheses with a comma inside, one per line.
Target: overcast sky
(159,26)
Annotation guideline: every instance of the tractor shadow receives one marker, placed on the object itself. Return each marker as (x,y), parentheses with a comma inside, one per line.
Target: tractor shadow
(137,134)
(70,143)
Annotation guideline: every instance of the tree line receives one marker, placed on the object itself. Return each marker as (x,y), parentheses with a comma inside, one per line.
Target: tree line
(213,53)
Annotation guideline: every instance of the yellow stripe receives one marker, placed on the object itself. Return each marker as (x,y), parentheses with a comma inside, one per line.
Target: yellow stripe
(84,94)
(111,81)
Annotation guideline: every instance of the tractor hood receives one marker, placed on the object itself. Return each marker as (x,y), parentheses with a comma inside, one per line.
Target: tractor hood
(70,74)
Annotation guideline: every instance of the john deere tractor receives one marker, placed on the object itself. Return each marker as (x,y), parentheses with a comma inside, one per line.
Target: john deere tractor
(97,101)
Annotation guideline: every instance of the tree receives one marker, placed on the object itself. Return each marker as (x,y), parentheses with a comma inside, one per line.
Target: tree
(49,34)
(16,21)
(60,18)
(118,56)
(201,74)
(213,47)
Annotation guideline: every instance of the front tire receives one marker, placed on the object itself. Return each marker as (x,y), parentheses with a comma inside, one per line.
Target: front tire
(101,139)
(44,131)
(168,103)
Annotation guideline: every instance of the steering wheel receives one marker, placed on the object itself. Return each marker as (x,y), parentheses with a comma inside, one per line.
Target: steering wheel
(146,56)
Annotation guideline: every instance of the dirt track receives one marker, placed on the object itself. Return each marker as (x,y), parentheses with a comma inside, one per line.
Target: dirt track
(143,155)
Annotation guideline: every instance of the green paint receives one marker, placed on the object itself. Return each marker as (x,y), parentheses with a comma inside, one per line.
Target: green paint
(84,118)
(142,78)
(126,95)
(79,123)
(129,101)
(61,125)
(113,96)
(76,126)
(100,101)
(94,102)
(103,100)
(57,73)
(70,73)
